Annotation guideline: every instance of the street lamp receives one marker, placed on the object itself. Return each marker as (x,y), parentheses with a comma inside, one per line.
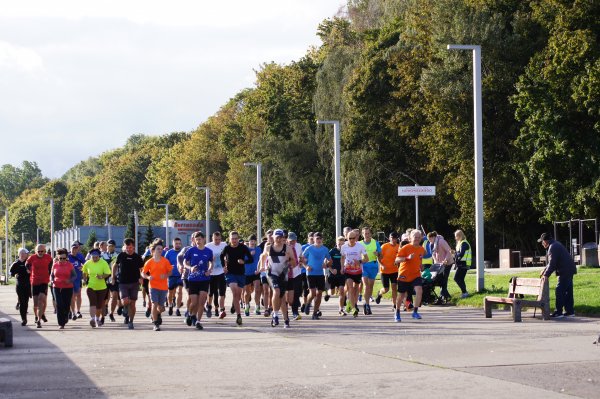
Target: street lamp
(207,192)
(37,235)
(23,239)
(6,241)
(51,225)
(258,197)
(478,129)
(336,167)
(166,223)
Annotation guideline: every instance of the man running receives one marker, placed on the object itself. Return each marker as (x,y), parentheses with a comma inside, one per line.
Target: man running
(127,268)
(233,258)
(336,277)
(39,266)
(353,256)
(184,277)
(157,271)
(267,292)
(294,288)
(218,287)
(113,284)
(371,267)
(409,273)
(175,282)
(252,278)
(199,261)
(305,290)
(389,268)
(77,259)
(316,256)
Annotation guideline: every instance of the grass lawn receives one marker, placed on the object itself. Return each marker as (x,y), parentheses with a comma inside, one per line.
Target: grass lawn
(586,289)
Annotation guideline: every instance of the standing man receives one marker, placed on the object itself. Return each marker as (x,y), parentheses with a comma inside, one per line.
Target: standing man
(175,282)
(409,274)
(316,256)
(218,286)
(233,258)
(39,266)
(371,267)
(199,261)
(157,271)
(561,263)
(128,266)
(77,259)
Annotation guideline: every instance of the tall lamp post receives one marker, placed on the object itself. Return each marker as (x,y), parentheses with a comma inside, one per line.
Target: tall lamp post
(258,197)
(23,239)
(336,167)
(166,223)
(478,129)
(6,242)
(37,235)
(51,225)
(207,192)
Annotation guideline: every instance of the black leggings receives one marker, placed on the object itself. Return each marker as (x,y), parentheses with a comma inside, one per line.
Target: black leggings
(23,293)
(459,278)
(444,281)
(63,304)
(297,281)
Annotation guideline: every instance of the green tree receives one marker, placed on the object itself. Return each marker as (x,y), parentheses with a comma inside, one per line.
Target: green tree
(92,238)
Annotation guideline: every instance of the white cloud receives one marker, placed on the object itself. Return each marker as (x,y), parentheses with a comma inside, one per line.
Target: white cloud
(20,58)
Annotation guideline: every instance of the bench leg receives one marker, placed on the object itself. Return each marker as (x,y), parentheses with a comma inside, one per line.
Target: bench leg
(545,311)
(517,311)
(487,307)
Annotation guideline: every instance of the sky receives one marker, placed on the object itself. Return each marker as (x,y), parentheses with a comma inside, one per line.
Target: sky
(78,78)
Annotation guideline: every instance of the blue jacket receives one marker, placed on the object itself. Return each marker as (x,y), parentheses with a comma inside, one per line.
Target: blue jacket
(559,260)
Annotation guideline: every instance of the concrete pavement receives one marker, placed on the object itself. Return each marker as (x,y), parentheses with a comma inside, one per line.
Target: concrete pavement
(451,353)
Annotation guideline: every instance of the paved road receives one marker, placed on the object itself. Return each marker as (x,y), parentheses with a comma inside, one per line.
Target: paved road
(451,353)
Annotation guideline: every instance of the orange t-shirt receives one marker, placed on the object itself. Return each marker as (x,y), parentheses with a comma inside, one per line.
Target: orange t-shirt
(163,266)
(388,256)
(411,268)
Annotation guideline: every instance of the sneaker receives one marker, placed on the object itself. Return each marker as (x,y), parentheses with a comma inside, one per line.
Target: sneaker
(267,312)
(302,307)
(465,295)
(156,327)
(111,317)
(74,317)
(130,325)
(416,315)
(378,299)
(307,309)
(232,310)
(170,310)
(101,323)
(247,310)
(369,310)
(222,314)
(397,317)
(79,316)
(209,312)
(569,314)
(61,327)
(348,308)
(39,324)
(36,319)
(298,316)
(275,321)
(342,312)
(120,310)
(238,320)
(199,326)
(193,320)
(44,319)
(286,323)
(365,311)
(92,323)
(159,320)
(24,322)
(359,297)
(257,311)
(326,297)
(178,312)
(315,316)
(355,312)
(126,320)
(557,315)
(188,321)
(148,311)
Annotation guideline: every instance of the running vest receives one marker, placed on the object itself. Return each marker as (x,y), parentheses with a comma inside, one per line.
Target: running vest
(427,258)
(371,247)
(278,262)
(467,256)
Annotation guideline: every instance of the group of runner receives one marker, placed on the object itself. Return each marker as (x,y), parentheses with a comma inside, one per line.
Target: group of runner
(280,274)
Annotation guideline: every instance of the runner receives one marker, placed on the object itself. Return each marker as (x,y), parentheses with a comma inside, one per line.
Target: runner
(353,256)
(95,271)
(113,284)
(233,258)
(316,256)
(39,266)
(184,277)
(77,259)
(389,268)
(305,288)
(127,269)
(62,276)
(252,278)
(175,282)
(267,292)
(371,267)
(19,270)
(294,288)
(146,300)
(157,271)
(278,258)
(218,287)
(199,262)
(409,273)
(336,277)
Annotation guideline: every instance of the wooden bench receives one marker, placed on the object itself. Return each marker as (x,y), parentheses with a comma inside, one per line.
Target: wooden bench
(518,288)
(3,280)
(6,334)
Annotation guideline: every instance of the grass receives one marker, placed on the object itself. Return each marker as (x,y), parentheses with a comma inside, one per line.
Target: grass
(586,284)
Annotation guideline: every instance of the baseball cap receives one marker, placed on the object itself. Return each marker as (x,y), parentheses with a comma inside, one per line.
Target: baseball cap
(95,252)
(76,244)
(545,237)
(292,236)
(111,242)
(278,233)
(22,250)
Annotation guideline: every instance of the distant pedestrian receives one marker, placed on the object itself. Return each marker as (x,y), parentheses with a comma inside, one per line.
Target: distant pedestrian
(462,259)
(20,271)
(561,263)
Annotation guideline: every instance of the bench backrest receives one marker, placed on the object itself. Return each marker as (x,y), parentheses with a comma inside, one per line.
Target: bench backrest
(528,286)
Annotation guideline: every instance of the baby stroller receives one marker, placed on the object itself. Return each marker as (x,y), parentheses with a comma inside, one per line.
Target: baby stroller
(432,279)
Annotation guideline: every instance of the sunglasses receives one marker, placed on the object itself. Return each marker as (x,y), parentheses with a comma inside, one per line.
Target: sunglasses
(352,238)
(41,252)
(61,258)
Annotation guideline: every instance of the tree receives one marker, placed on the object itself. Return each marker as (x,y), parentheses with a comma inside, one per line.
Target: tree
(92,238)
(148,238)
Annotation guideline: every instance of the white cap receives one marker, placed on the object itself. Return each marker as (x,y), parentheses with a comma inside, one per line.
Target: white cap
(22,250)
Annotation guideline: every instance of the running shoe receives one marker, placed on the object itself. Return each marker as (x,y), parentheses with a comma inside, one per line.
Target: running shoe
(557,315)
(92,323)
(348,308)
(222,314)
(369,309)
(199,326)
(156,327)
(126,320)
(170,310)
(298,316)
(365,311)
(238,320)
(315,316)
(39,324)
(275,321)
(465,295)
(24,322)
(209,312)
(74,317)
(326,297)
(355,312)
(54,311)
(44,319)
(194,320)
(319,313)
(61,327)
(257,311)
(302,307)
(307,309)
(148,312)
(232,310)
(397,317)
(342,312)
(159,320)
(111,317)
(187,313)
(120,310)
(79,315)
(286,323)
(247,310)
(188,321)
(359,297)
(267,312)
(130,325)
(101,321)
(416,315)
(378,299)
(178,312)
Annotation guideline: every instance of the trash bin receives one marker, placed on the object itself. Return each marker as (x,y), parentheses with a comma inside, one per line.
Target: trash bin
(589,254)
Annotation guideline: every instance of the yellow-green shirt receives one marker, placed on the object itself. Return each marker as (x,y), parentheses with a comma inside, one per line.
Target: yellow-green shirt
(92,268)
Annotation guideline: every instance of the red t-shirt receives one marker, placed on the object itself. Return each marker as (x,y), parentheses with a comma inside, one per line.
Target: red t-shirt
(62,274)
(40,268)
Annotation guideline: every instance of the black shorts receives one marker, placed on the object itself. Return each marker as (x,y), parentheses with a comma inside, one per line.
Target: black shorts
(185,284)
(278,282)
(113,287)
(39,289)
(357,278)
(304,284)
(264,280)
(217,285)
(389,278)
(407,286)
(252,278)
(316,282)
(145,283)
(198,286)
(336,280)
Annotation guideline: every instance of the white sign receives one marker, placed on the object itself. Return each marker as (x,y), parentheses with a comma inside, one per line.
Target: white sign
(415,191)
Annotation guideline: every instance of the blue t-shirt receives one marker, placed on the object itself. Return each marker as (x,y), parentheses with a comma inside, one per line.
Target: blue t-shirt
(77,262)
(200,258)
(304,246)
(171,256)
(251,267)
(314,258)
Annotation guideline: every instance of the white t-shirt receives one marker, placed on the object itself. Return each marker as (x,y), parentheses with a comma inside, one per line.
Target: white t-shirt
(351,255)
(297,270)
(217,249)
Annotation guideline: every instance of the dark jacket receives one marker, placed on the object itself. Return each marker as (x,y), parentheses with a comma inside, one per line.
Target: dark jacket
(559,260)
